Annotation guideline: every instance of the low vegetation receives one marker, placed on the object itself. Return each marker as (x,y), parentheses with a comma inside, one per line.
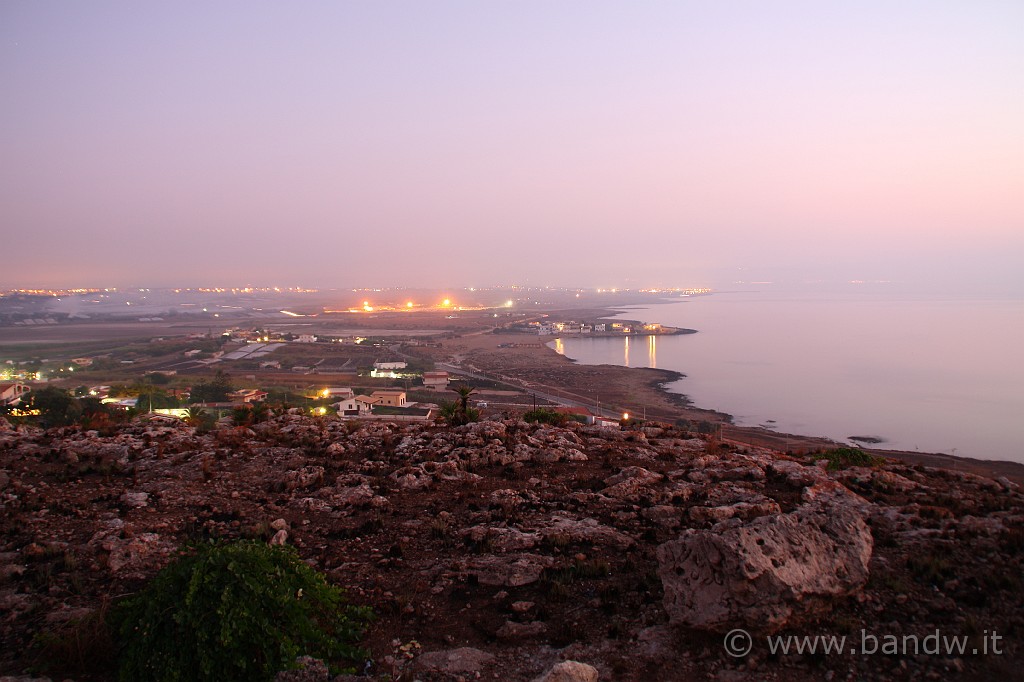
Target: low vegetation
(544,415)
(240,611)
(841,458)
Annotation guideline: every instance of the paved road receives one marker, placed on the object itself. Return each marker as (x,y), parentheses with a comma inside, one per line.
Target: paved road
(532,389)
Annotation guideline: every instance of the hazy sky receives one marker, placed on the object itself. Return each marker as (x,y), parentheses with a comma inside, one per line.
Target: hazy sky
(473,143)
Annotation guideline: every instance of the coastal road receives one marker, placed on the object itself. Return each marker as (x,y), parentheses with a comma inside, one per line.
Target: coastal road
(544,392)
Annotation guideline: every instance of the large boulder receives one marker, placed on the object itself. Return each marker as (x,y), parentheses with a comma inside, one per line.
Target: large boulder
(761,574)
(570,671)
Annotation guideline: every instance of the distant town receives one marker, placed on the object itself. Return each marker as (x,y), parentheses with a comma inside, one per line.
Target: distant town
(359,354)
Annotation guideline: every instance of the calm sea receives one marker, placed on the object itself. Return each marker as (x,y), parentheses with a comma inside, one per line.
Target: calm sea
(929,374)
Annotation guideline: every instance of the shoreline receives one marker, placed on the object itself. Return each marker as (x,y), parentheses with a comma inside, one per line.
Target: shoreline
(643,390)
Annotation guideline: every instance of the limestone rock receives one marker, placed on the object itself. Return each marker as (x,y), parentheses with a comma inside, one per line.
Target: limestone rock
(135,500)
(306,477)
(453,661)
(514,630)
(760,574)
(585,530)
(131,553)
(513,570)
(502,539)
(570,671)
(629,481)
(355,496)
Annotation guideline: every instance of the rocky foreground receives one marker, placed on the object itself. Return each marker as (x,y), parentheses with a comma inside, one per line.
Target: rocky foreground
(501,549)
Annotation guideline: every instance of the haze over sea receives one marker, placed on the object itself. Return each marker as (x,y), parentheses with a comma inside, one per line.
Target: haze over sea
(929,373)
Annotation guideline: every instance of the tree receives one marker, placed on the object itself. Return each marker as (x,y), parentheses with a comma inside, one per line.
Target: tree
(241,415)
(56,406)
(150,396)
(214,391)
(447,409)
(195,416)
(464,392)
(98,416)
(459,412)
(260,412)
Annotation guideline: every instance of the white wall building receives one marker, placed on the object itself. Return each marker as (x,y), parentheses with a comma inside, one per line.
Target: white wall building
(435,381)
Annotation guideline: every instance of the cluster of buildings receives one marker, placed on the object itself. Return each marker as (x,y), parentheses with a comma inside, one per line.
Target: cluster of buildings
(390,402)
(571,327)
(625,327)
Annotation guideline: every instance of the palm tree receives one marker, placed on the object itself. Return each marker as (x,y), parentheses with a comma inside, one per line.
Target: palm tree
(448,411)
(241,415)
(459,412)
(195,415)
(464,392)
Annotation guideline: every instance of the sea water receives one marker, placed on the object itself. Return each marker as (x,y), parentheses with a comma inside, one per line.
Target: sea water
(935,374)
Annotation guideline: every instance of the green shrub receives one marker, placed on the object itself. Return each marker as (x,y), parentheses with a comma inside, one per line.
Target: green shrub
(239,611)
(840,458)
(545,415)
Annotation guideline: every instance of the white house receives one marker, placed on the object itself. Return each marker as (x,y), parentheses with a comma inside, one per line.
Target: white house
(435,381)
(390,365)
(389,398)
(10,393)
(249,395)
(306,338)
(353,407)
(337,392)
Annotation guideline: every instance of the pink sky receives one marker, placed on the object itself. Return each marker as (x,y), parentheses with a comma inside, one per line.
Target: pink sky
(583,143)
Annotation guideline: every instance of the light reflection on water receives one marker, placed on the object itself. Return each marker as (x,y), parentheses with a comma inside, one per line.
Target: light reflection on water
(927,374)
